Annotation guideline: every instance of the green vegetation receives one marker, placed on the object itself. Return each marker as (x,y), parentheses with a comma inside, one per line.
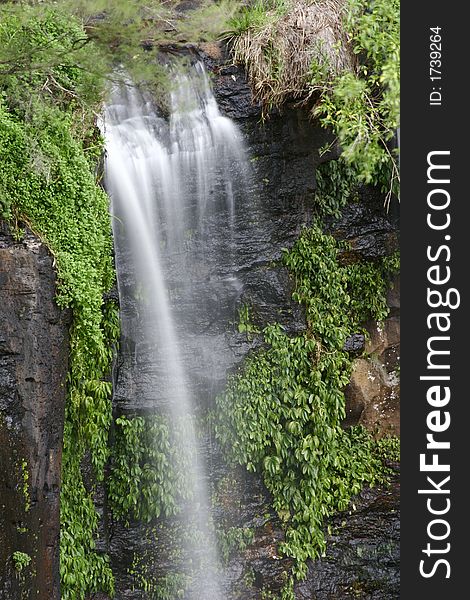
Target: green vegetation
(25,486)
(286,592)
(20,560)
(388,448)
(337,184)
(124,34)
(147,478)
(281,415)
(363,106)
(245,324)
(127,31)
(171,586)
(49,149)
(342,61)
(234,539)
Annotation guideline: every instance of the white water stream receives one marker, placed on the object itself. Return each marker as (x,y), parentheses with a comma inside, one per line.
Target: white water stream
(161,178)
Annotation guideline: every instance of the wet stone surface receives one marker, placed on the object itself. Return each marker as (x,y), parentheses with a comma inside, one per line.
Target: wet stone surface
(33,368)
(362,557)
(363,552)
(246,271)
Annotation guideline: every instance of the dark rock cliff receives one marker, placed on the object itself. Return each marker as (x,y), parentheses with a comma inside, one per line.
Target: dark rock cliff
(224,277)
(33,368)
(362,560)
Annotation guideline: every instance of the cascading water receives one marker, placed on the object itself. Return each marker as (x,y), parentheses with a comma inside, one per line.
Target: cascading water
(166,182)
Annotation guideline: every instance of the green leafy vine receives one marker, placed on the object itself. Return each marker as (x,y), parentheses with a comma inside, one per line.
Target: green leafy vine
(281,414)
(147,475)
(48,148)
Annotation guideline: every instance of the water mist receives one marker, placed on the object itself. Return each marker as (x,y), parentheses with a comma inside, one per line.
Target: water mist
(165,178)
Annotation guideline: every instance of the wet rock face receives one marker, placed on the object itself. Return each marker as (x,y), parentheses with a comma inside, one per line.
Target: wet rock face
(370,230)
(373,394)
(362,559)
(283,147)
(363,552)
(226,275)
(33,367)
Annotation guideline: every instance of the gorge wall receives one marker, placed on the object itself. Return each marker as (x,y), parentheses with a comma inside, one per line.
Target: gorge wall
(362,556)
(33,369)
(284,151)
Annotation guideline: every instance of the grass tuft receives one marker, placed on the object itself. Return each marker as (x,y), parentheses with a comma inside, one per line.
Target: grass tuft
(285,45)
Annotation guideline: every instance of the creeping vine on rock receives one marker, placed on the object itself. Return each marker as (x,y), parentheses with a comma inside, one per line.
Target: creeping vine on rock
(49,149)
(281,414)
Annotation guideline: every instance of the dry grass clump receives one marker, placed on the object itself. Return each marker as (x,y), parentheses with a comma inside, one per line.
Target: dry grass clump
(290,54)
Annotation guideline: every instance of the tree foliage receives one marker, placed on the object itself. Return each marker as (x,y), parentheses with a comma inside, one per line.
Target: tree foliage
(45,54)
(362,107)
(339,57)
(126,35)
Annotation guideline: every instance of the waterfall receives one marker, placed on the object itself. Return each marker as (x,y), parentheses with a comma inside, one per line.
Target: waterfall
(166,179)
